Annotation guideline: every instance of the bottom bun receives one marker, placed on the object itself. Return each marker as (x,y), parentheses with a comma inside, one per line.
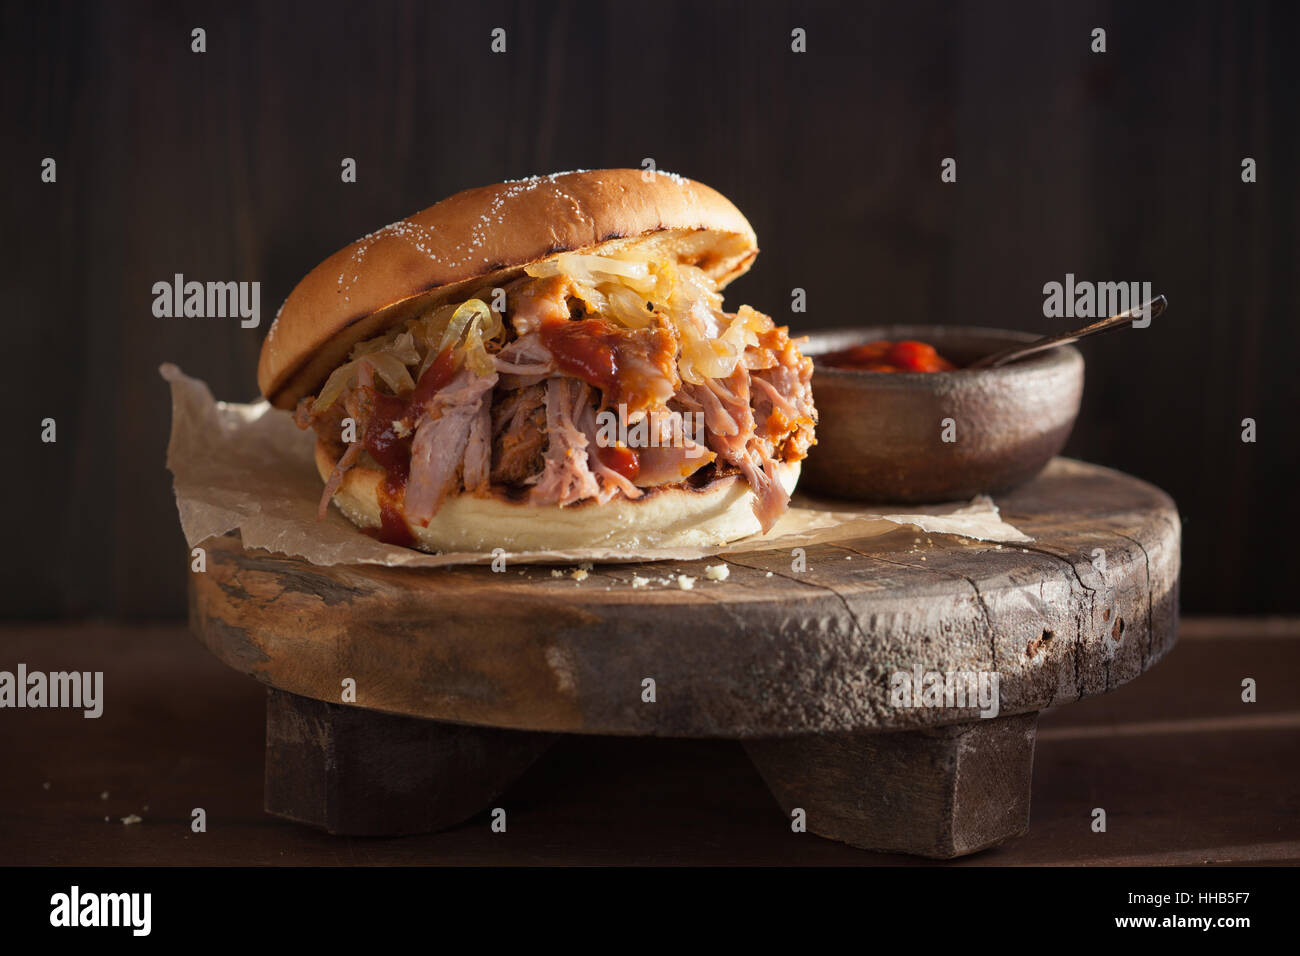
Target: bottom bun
(721,511)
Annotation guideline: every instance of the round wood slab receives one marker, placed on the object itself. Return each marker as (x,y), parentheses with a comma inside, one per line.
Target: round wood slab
(770,651)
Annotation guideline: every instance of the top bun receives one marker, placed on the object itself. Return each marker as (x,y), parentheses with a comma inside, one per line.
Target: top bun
(486,236)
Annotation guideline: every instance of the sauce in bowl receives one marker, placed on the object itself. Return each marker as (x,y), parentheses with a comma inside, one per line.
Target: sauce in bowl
(883,356)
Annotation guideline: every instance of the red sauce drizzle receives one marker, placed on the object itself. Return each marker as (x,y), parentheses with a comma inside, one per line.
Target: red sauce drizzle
(596,351)
(437,375)
(586,349)
(621,459)
(392,452)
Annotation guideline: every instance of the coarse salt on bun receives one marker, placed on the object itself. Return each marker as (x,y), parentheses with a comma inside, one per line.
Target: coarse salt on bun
(486,236)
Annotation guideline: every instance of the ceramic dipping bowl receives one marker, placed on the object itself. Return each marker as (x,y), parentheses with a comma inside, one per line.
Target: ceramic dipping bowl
(881,435)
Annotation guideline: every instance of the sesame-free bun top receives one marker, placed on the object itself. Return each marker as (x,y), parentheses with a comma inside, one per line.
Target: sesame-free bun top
(486,236)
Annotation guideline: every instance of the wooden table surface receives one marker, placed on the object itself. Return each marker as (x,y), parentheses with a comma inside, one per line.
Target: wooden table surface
(1186,772)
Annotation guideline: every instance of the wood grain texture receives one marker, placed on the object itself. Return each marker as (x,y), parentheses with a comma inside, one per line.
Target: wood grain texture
(753,656)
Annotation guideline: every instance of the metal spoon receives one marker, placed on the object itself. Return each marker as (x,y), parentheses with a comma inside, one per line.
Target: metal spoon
(1156,305)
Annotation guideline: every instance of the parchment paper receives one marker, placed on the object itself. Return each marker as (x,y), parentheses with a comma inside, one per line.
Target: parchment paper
(249,468)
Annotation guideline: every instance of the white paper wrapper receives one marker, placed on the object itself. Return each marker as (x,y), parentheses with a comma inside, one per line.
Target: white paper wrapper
(249,468)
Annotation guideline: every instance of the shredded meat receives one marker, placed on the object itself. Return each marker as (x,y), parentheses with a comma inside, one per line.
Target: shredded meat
(565,477)
(530,425)
(732,433)
(533,302)
(518,435)
(477,466)
(336,478)
(441,436)
(783,404)
(525,361)
(359,406)
(770,496)
(611,481)
(672,455)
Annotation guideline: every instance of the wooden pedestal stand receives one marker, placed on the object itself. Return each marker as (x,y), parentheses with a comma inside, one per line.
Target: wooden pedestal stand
(463,675)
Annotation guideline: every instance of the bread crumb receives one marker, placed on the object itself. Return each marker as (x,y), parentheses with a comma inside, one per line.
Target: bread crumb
(639,582)
(768,575)
(45,785)
(684,582)
(557,574)
(579,574)
(586,566)
(400,429)
(104,795)
(132,818)
(717,572)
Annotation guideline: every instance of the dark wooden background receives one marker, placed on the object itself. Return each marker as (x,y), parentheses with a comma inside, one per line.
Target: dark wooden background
(225,165)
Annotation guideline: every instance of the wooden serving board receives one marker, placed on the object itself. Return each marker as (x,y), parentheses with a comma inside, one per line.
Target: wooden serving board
(794,657)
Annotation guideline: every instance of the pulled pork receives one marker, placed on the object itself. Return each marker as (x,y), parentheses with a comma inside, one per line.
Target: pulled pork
(520,408)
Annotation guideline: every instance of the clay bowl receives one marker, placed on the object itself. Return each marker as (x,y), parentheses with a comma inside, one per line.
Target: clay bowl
(880,435)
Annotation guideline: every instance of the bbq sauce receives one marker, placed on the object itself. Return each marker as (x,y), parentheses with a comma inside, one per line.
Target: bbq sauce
(905,356)
(437,375)
(596,351)
(619,458)
(392,451)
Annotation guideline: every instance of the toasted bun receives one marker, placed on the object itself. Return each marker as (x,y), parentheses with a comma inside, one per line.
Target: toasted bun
(485,237)
(663,518)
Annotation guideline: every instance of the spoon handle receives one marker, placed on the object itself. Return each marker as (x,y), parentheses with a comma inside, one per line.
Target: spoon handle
(1156,305)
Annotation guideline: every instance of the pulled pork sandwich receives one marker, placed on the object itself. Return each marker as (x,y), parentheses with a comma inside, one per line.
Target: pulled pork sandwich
(546,364)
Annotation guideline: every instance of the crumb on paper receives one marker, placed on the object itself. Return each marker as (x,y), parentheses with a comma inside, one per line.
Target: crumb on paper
(132,818)
(639,582)
(685,582)
(717,572)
